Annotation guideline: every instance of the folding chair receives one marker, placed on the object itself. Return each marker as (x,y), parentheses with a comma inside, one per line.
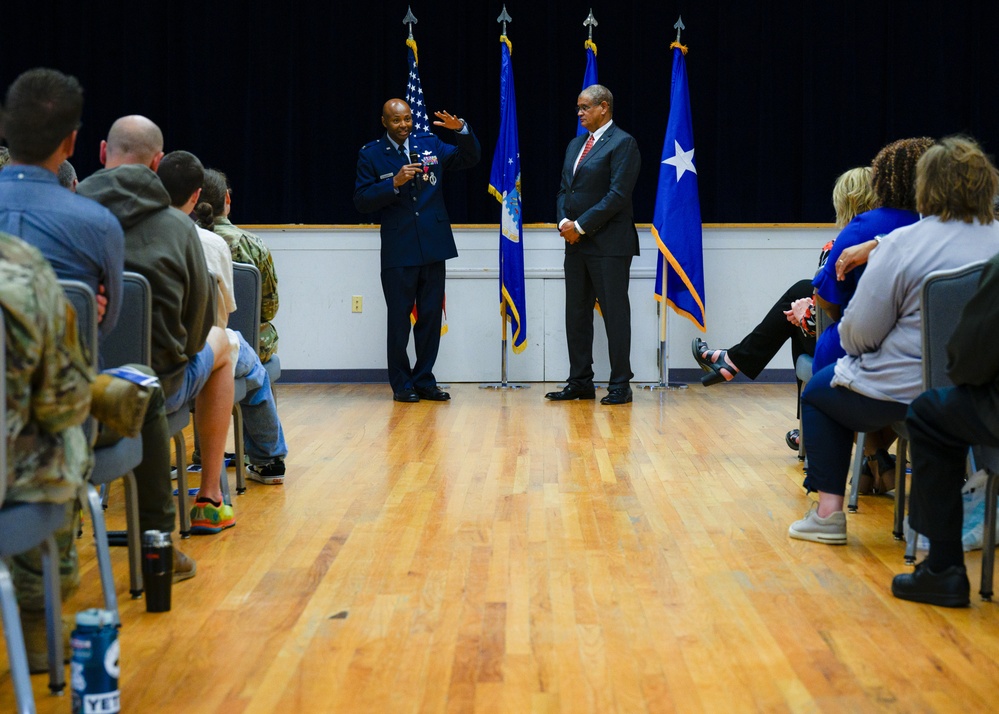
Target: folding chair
(246,321)
(126,455)
(944,294)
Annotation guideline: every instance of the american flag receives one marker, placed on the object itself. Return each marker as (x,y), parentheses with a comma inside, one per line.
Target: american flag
(414,93)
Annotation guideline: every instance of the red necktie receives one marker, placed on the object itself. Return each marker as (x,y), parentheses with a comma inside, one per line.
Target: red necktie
(586,150)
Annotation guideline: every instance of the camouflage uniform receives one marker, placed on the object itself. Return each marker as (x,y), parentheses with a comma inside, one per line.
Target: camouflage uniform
(48,399)
(249,248)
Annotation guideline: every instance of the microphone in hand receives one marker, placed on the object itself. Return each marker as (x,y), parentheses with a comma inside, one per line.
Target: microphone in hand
(414,158)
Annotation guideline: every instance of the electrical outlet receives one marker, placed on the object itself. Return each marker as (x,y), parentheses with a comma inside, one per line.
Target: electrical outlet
(356,303)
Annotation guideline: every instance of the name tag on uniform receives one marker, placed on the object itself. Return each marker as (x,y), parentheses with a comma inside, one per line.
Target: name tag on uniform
(385,176)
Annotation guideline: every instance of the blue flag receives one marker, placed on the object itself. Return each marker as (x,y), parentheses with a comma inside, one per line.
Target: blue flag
(676,222)
(504,184)
(589,76)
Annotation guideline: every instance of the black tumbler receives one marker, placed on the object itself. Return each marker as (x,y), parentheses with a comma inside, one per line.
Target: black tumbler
(157,570)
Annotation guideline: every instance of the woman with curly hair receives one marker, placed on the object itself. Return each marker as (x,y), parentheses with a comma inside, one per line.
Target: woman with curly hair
(893,176)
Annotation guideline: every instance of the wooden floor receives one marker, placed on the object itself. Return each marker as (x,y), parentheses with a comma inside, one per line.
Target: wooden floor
(503,554)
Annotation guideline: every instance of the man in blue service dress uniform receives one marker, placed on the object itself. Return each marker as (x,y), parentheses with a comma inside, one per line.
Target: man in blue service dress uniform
(400,176)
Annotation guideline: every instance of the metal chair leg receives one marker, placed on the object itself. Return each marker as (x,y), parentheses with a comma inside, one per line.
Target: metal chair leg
(989,536)
(900,456)
(53,611)
(14,635)
(237,437)
(103,551)
(133,536)
(180,455)
(858,466)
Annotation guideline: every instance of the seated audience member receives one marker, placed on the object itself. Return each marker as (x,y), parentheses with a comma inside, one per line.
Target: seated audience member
(893,176)
(190,355)
(48,399)
(942,424)
(67,176)
(792,316)
(871,386)
(212,213)
(182,174)
(894,180)
(82,241)
(852,195)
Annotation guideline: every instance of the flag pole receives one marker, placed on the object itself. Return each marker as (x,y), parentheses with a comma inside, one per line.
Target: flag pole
(664,384)
(503,383)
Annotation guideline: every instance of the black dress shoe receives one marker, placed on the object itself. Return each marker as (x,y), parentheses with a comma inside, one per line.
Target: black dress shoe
(570,391)
(947,589)
(433,394)
(406,395)
(618,395)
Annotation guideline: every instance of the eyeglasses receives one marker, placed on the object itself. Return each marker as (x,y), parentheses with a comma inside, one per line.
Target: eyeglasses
(583,108)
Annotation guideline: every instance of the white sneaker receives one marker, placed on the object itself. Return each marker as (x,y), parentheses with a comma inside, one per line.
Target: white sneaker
(830,530)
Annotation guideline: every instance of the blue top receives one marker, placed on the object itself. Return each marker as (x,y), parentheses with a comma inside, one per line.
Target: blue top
(864,227)
(79,237)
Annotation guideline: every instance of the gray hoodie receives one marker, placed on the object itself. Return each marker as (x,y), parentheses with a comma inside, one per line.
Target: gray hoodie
(162,245)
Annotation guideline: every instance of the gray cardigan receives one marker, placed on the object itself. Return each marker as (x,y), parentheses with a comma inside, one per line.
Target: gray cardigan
(880,330)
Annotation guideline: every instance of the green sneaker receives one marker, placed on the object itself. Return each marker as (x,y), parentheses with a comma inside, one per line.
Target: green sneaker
(208,518)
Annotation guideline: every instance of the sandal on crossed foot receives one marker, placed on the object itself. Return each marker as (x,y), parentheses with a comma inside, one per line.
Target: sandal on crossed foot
(715,364)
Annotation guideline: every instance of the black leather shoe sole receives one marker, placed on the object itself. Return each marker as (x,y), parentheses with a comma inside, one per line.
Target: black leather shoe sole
(569,393)
(950,588)
(406,395)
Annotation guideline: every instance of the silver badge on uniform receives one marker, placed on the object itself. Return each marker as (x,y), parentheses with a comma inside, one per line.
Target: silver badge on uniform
(433,179)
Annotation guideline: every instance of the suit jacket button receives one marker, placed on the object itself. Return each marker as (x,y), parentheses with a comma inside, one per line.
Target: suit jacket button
(417,213)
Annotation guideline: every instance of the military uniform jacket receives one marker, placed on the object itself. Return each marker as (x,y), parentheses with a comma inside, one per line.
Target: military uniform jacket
(247,247)
(415,227)
(48,380)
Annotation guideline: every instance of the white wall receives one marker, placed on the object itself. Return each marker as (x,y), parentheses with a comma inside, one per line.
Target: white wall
(320,269)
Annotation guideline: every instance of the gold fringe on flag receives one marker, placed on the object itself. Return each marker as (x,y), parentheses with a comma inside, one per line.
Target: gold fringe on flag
(590,45)
(683,48)
(509,45)
(416,56)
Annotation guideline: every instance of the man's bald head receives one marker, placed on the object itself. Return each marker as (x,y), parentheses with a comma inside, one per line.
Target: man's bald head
(395,106)
(397,118)
(132,139)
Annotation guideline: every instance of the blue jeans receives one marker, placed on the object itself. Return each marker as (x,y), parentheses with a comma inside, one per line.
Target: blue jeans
(263,437)
(829,417)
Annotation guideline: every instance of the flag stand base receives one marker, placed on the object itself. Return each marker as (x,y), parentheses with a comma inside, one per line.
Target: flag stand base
(664,387)
(504,385)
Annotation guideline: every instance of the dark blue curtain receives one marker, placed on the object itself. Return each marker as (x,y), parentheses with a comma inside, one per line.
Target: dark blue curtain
(785,94)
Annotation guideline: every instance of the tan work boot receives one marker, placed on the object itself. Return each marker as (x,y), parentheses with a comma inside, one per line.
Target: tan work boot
(184,566)
(35,642)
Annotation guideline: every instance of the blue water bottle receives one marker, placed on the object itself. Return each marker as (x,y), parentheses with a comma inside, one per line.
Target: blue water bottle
(94,668)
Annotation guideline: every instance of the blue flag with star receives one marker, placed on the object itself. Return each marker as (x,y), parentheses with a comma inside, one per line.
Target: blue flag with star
(504,184)
(676,222)
(589,77)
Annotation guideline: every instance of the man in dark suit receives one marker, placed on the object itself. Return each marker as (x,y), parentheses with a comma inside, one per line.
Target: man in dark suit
(595,217)
(400,176)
